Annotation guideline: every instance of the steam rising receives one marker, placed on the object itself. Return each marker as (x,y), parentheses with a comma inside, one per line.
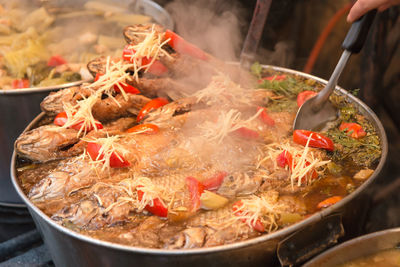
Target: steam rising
(213,25)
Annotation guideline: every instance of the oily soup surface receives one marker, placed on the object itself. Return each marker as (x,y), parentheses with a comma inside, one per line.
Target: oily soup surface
(385,258)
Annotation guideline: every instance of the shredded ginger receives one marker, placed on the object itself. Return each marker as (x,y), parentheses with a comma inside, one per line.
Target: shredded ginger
(264,208)
(227,122)
(305,161)
(150,47)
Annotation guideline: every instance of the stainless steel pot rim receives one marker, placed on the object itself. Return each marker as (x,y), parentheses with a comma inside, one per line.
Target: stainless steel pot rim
(274,235)
(170,22)
(41,89)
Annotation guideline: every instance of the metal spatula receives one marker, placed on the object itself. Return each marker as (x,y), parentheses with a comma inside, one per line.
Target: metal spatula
(318,110)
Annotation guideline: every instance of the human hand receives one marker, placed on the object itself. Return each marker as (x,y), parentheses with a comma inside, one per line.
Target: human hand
(363,6)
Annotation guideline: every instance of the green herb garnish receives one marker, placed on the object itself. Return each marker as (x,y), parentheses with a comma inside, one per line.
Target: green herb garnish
(257,70)
(364,151)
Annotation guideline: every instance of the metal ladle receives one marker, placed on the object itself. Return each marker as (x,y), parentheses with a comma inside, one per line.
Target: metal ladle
(253,36)
(318,110)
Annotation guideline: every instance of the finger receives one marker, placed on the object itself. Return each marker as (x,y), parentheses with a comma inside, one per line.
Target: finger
(361,7)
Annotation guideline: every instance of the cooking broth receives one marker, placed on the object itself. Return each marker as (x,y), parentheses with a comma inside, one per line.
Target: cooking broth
(385,258)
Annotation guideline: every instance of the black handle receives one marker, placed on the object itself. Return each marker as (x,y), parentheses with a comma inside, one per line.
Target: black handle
(310,240)
(253,37)
(358,32)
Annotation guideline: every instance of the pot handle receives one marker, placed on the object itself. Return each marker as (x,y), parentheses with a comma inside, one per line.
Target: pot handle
(310,240)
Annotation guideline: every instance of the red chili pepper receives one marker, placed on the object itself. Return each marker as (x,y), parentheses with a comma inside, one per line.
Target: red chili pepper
(56,60)
(257,225)
(247,133)
(62,118)
(156,68)
(20,83)
(354,130)
(329,202)
(285,158)
(144,128)
(273,78)
(195,189)
(214,182)
(153,104)
(182,46)
(126,87)
(317,140)
(304,96)
(116,160)
(265,117)
(157,208)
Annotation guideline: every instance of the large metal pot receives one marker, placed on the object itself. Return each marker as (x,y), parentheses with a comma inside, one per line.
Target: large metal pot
(357,248)
(19,106)
(290,245)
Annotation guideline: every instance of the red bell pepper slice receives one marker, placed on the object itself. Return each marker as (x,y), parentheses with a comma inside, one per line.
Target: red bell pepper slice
(157,208)
(265,117)
(56,60)
(126,87)
(20,83)
(329,202)
(182,46)
(62,118)
(215,181)
(144,128)
(247,133)
(195,189)
(156,68)
(304,96)
(153,104)
(93,151)
(354,130)
(98,75)
(273,78)
(237,209)
(316,140)
(285,158)
(116,160)
(314,174)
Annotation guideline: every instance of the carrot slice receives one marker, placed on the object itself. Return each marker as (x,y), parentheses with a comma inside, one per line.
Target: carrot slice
(329,202)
